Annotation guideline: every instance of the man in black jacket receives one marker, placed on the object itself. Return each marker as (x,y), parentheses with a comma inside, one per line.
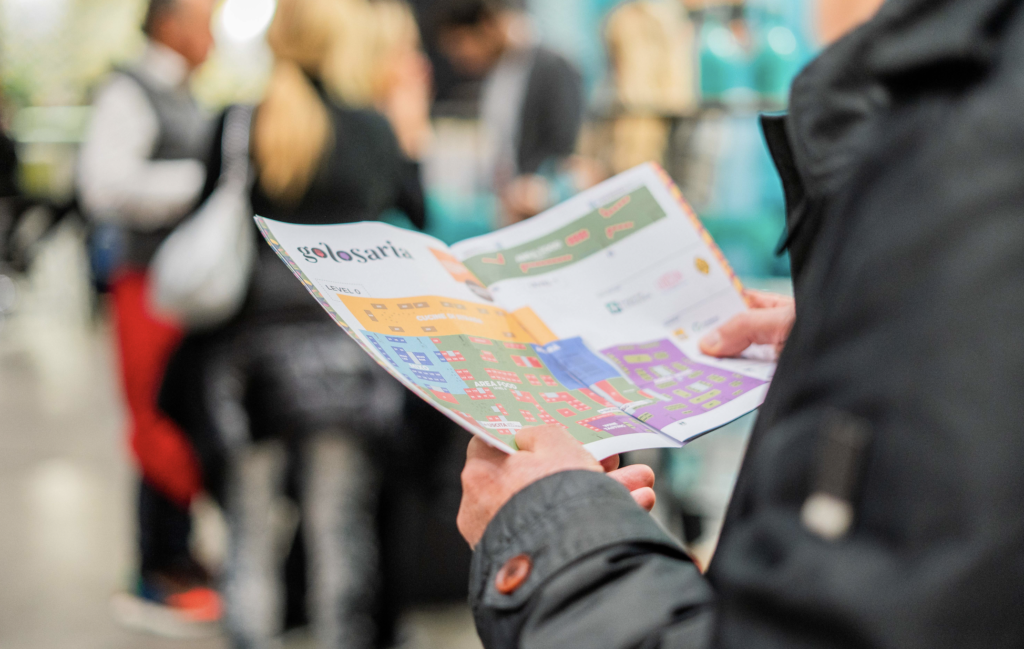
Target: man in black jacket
(879,504)
(531,104)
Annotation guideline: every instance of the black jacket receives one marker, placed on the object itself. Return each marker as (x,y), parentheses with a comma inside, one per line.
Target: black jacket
(552,112)
(363,175)
(281,360)
(903,163)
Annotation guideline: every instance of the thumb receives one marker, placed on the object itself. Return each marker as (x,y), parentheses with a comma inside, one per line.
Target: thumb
(536,438)
(758,326)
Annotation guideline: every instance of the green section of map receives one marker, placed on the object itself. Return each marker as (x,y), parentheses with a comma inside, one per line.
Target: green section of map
(502,386)
(508,383)
(578,240)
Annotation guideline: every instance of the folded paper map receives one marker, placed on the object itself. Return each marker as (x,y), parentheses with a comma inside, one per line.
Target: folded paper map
(587,316)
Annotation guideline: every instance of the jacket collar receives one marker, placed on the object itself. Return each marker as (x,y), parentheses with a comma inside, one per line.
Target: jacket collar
(909,46)
(912,36)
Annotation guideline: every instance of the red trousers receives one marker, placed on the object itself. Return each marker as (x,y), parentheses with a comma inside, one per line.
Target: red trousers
(146,342)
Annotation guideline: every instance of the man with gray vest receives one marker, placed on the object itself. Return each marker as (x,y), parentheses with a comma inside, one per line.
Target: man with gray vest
(140,170)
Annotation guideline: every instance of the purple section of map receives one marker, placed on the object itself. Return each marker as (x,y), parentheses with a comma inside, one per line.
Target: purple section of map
(614,424)
(678,387)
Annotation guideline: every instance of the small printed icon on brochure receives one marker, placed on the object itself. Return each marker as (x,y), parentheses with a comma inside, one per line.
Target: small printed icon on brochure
(702,266)
(670,280)
(614,307)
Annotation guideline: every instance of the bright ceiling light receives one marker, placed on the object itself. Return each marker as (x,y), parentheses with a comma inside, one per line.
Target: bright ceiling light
(244,20)
(782,40)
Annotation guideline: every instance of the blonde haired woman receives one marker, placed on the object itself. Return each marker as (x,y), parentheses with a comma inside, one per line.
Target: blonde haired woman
(330,52)
(334,140)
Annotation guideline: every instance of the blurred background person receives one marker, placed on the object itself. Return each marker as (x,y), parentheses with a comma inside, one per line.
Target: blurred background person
(280,383)
(12,206)
(10,199)
(140,169)
(531,103)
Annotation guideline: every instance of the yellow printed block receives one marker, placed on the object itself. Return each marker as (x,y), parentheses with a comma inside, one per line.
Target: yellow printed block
(431,315)
(707,395)
(637,358)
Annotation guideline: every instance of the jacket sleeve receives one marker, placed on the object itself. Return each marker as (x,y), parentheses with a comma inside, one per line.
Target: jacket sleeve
(603,574)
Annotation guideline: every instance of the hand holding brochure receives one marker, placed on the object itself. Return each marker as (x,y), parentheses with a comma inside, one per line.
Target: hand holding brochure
(587,316)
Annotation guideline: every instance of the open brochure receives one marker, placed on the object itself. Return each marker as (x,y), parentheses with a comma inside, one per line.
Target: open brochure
(587,316)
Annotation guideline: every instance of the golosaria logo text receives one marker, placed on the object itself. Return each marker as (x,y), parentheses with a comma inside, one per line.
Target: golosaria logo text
(358,255)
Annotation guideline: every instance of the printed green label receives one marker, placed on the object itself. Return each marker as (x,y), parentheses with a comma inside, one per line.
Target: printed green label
(580,239)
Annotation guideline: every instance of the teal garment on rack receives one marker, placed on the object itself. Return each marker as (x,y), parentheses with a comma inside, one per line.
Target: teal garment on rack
(575,29)
(724,65)
(781,40)
(745,208)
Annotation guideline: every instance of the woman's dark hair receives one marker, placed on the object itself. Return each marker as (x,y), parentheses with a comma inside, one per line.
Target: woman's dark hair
(470,13)
(156,10)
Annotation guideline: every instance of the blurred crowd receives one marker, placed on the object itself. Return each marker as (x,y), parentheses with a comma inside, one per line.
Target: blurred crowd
(267,400)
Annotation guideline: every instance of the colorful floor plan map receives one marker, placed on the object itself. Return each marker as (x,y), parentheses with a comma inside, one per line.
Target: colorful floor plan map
(509,330)
(477,361)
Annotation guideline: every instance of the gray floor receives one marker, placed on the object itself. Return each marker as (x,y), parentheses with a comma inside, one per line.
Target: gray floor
(66,482)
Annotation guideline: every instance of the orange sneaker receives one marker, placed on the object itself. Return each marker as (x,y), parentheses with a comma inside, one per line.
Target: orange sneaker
(170,605)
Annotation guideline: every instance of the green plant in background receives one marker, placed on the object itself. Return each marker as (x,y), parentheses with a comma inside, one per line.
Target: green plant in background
(15,92)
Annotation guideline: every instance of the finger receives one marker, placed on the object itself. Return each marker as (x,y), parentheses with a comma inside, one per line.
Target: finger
(609,464)
(765,300)
(535,438)
(761,326)
(478,449)
(634,476)
(644,497)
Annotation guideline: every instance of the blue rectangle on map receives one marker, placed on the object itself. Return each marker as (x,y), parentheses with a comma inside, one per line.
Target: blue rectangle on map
(573,364)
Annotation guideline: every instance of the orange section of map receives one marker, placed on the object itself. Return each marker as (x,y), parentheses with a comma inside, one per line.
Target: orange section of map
(455,268)
(431,315)
(533,324)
